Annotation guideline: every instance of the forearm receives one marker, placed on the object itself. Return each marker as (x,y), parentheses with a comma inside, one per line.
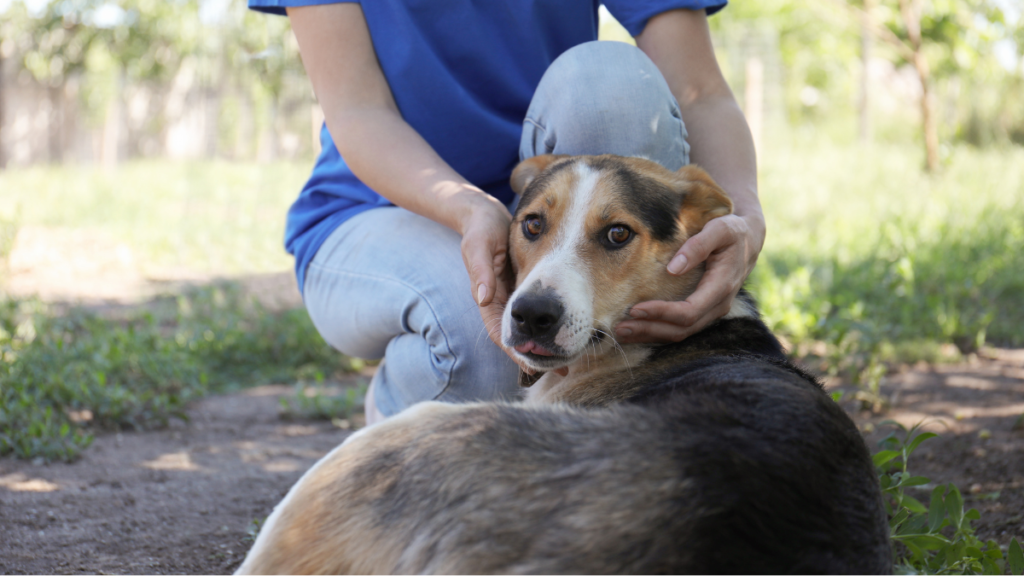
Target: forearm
(679,43)
(390,157)
(722,145)
(382,150)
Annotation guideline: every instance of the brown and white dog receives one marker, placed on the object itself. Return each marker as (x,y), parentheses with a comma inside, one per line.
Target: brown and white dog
(711,455)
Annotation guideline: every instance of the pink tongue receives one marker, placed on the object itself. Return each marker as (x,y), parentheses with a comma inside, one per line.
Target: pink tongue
(533,347)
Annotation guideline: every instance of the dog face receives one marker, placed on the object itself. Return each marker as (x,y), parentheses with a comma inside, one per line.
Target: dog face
(591,237)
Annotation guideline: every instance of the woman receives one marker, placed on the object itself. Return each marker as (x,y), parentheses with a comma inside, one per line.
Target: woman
(401,232)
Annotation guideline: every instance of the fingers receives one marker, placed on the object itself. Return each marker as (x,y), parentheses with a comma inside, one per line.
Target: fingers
(659,321)
(722,245)
(484,247)
(478,258)
(666,324)
(716,235)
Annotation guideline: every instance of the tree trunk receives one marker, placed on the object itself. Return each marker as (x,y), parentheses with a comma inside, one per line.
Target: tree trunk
(931,129)
(213,103)
(55,124)
(867,40)
(110,151)
(911,12)
(274,139)
(3,156)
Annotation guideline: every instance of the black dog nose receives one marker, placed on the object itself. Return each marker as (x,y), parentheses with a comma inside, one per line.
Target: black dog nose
(537,314)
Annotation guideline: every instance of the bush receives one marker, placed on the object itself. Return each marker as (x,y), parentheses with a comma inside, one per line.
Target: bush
(65,376)
(938,538)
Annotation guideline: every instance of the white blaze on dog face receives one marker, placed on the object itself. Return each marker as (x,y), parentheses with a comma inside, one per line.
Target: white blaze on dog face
(592,236)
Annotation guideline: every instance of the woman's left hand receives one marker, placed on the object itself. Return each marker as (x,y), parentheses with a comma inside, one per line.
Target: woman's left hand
(729,245)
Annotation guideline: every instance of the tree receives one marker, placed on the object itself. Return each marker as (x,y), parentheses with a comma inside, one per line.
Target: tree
(52,46)
(935,36)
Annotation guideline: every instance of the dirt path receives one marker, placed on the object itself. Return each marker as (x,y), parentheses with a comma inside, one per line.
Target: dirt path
(977,408)
(181,500)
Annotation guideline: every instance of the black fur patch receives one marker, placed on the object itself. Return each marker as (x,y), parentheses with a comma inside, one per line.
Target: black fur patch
(781,467)
(655,204)
(540,183)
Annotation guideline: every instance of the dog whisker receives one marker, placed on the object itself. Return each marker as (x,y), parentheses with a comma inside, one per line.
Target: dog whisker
(617,346)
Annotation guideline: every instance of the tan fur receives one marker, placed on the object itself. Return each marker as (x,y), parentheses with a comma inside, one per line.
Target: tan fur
(312,534)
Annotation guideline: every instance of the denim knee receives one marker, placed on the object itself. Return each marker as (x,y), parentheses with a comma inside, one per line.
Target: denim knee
(605,98)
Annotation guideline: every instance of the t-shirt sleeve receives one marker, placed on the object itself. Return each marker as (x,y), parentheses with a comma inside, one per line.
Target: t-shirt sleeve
(634,14)
(278,6)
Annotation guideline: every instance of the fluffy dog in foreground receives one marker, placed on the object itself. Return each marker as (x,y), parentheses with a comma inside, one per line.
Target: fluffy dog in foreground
(714,454)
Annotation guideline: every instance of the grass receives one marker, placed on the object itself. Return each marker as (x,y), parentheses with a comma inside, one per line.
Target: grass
(867,259)
(65,376)
(208,217)
(314,401)
(884,263)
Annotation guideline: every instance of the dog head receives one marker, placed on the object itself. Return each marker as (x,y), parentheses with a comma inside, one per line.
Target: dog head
(591,237)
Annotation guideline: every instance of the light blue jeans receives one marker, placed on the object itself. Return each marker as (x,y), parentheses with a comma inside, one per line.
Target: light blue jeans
(391,284)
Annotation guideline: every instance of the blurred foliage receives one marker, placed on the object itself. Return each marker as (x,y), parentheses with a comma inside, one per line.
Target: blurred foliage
(149,39)
(319,402)
(65,376)
(818,42)
(160,51)
(233,51)
(874,262)
(206,217)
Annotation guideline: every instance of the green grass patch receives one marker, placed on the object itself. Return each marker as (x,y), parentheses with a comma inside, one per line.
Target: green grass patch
(65,376)
(210,217)
(314,401)
(883,262)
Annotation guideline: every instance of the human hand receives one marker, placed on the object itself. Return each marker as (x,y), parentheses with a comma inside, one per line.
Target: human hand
(729,245)
(485,254)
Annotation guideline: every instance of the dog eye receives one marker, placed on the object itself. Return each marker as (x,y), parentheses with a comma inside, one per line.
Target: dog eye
(532,227)
(619,235)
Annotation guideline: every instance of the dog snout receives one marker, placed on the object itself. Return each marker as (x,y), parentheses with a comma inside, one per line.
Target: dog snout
(537,315)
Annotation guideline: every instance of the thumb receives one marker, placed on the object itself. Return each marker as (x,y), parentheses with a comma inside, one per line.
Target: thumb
(698,248)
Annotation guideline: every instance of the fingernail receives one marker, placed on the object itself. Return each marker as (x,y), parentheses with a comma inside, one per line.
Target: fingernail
(481,292)
(623,331)
(638,313)
(677,264)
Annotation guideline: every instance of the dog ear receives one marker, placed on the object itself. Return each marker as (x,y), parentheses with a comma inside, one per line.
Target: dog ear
(703,199)
(529,169)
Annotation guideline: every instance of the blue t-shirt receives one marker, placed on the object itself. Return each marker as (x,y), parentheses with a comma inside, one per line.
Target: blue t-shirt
(462,73)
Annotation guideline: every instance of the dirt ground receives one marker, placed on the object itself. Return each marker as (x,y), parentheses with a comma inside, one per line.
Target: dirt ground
(184,499)
(176,501)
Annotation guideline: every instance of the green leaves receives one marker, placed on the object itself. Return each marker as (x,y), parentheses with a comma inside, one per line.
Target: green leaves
(937,509)
(938,539)
(1016,558)
(955,507)
(884,456)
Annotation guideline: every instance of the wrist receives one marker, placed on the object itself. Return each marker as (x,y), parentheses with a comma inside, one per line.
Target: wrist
(755,221)
(453,203)
(472,205)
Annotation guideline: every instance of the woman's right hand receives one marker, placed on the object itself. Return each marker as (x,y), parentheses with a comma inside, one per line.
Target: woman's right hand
(485,254)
